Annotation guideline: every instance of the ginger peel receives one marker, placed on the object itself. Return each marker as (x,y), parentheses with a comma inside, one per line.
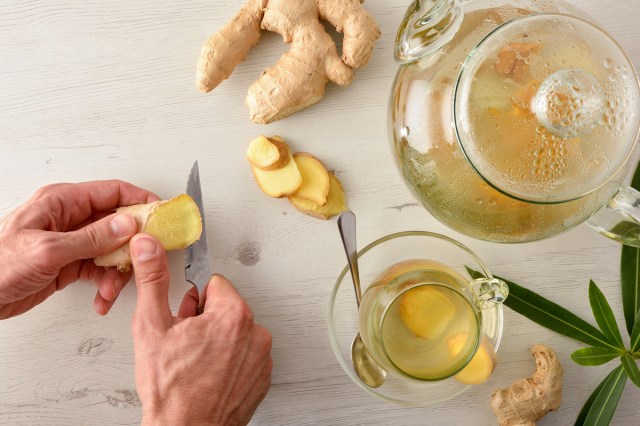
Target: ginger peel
(530,399)
(299,77)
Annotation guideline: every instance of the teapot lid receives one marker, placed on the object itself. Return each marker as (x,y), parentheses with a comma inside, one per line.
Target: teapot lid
(546,108)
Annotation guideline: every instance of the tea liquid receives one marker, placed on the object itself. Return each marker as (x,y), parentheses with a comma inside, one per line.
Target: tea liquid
(427,328)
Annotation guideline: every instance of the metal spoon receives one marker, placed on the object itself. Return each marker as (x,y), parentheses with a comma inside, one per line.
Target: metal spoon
(367,369)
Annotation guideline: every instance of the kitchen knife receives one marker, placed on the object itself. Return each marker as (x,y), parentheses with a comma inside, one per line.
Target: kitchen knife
(197,264)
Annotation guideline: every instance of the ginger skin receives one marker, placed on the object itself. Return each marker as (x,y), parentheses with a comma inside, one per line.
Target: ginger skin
(299,77)
(530,399)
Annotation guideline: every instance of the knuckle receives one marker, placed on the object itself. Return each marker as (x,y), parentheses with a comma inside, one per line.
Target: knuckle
(266,339)
(44,249)
(150,276)
(91,238)
(46,190)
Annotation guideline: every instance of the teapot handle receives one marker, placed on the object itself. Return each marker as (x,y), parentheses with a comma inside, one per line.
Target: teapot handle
(620,218)
(427,26)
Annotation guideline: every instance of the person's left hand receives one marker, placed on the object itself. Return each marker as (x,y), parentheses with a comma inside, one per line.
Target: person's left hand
(50,242)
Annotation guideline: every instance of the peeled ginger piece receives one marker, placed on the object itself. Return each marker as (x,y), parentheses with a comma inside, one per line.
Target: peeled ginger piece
(482,364)
(335,204)
(176,223)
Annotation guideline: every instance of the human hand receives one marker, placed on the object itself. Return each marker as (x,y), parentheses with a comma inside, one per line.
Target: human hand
(49,242)
(213,368)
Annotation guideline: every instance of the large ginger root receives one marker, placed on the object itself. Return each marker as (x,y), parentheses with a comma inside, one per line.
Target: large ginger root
(530,399)
(299,77)
(176,223)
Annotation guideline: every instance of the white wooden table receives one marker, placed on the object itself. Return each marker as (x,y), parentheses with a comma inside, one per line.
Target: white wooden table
(105,89)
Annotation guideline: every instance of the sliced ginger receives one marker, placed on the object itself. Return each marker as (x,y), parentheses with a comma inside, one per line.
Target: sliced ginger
(303,179)
(335,204)
(426,311)
(482,364)
(512,59)
(268,153)
(315,179)
(176,223)
(280,182)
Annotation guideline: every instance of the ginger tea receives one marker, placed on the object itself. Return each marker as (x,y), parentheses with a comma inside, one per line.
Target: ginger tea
(417,320)
(530,163)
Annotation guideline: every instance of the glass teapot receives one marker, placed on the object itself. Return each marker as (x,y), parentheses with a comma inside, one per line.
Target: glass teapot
(515,120)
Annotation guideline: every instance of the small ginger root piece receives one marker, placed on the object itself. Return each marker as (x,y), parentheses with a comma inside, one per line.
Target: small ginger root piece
(426,311)
(335,204)
(315,179)
(480,367)
(268,153)
(299,77)
(176,223)
(512,59)
(528,400)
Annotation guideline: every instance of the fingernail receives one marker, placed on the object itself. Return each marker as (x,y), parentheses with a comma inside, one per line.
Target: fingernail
(144,247)
(122,225)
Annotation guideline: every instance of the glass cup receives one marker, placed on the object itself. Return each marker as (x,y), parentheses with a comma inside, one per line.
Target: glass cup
(422,317)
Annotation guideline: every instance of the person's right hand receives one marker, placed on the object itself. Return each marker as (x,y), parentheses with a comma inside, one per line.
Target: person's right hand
(213,368)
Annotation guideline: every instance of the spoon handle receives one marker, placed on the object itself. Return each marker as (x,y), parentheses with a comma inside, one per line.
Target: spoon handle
(347,227)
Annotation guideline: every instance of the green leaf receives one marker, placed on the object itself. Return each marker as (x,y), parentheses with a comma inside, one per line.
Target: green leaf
(631,368)
(630,273)
(554,317)
(630,280)
(635,335)
(604,315)
(605,403)
(594,356)
(589,402)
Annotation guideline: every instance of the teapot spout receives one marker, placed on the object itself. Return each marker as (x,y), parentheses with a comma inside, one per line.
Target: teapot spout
(427,26)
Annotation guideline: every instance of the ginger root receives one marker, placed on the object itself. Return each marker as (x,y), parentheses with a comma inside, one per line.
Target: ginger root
(528,400)
(299,77)
(176,223)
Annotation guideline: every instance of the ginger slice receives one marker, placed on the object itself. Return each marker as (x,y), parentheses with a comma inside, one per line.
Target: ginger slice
(280,182)
(521,101)
(426,311)
(176,223)
(512,59)
(482,364)
(268,153)
(315,179)
(335,204)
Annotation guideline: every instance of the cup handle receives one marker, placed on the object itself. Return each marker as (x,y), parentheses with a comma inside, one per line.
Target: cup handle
(620,218)
(489,291)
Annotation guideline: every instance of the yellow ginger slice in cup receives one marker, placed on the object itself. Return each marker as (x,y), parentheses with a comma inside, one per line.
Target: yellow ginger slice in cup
(479,369)
(426,311)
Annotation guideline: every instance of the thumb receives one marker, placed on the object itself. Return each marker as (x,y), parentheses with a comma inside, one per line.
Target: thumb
(99,237)
(152,281)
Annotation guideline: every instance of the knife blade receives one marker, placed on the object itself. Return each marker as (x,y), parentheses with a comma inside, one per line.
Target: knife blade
(197,264)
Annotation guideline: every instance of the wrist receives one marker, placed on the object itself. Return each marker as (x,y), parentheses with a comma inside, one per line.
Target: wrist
(174,418)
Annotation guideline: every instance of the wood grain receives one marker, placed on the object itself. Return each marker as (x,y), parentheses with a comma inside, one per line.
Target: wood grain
(96,90)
